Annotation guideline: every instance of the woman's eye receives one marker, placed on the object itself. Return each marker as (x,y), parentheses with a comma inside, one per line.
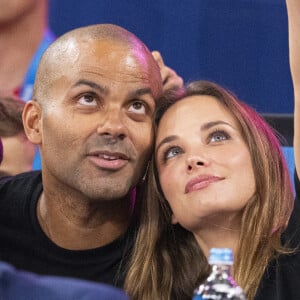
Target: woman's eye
(137,107)
(88,100)
(172,152)
(218,136)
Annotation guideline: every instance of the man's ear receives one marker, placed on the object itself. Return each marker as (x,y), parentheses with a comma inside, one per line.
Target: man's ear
(32,122)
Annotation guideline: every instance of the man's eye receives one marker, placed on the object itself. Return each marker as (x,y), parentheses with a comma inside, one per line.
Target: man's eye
(172,152)
(88,100)
(137,107)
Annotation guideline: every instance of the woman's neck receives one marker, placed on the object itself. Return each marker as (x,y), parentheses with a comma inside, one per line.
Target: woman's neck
(223,233)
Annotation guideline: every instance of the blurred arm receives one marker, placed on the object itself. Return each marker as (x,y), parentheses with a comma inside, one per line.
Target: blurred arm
(293,8)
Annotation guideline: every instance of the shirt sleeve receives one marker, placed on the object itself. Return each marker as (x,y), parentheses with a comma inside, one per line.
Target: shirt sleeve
(21,285)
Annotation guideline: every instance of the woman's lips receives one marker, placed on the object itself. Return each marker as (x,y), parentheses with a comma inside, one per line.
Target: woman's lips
(201,182)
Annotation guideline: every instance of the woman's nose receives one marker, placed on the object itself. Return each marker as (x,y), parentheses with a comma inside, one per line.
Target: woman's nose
(195,162)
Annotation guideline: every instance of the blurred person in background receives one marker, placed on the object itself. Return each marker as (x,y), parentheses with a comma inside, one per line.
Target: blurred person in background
(24,36)
(18,151)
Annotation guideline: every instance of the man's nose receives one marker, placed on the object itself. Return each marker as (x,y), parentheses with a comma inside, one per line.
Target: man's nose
(112,124)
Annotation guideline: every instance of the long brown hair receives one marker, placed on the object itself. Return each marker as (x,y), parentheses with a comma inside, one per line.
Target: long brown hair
(167,262)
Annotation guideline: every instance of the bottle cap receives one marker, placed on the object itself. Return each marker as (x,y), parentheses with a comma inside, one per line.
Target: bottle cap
(220,256)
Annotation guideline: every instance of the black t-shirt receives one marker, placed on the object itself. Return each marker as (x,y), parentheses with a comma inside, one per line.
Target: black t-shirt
(24,244)
(281,280)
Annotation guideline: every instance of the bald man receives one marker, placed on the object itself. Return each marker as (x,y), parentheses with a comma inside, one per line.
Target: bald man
(91,117)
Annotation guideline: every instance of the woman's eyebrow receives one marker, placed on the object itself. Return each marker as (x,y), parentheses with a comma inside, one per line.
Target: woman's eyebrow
(167,139)
(208,125)
(203,127)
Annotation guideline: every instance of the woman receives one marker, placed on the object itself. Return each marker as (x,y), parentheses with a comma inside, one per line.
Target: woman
(218,179)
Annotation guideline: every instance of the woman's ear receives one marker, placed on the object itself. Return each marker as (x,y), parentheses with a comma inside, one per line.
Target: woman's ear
(32,122)
(174,219)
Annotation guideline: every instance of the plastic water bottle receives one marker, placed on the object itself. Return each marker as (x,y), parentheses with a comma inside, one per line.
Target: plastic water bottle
(220,285)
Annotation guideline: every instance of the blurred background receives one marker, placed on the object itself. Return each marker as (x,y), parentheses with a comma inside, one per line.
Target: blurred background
(241,44)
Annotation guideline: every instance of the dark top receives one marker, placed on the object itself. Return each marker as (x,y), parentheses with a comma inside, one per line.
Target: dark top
(20,285)
(281,280)
(26,246)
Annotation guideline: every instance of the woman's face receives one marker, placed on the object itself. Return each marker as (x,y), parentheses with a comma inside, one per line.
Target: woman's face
(204,165)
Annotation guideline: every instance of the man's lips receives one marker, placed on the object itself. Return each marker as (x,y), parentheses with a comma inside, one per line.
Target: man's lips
(109,160)
(201,182)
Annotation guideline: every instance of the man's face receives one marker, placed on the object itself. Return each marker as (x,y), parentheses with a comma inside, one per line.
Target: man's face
(96,124)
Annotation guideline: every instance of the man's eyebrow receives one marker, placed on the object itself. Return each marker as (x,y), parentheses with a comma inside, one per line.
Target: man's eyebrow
(92,85)
(140,92)
(167,139)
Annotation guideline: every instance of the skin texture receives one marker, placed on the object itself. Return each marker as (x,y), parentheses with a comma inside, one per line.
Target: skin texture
(92,119)
(10,11)
(194,143)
